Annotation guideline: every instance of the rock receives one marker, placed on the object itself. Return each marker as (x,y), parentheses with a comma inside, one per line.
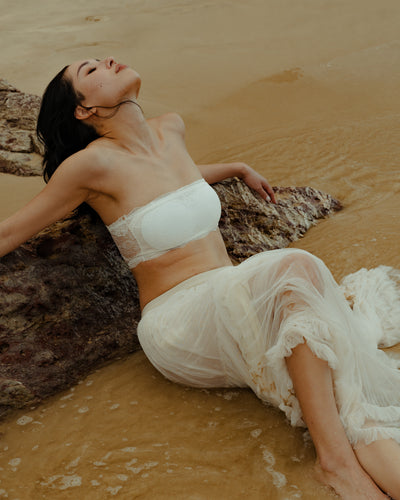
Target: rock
(68,304)
(19,147)
(68,301)
(5,86)
(19,141)
(23,164)
(249,225)
(14,394)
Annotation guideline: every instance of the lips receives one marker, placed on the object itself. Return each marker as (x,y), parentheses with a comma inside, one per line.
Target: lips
(120,67)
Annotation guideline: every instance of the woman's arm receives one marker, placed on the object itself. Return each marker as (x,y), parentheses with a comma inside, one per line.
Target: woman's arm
(220,171)
(66,190)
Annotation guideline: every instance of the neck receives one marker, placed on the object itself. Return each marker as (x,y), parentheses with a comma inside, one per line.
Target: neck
(126,127)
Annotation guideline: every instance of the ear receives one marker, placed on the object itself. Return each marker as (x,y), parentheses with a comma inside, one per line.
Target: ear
(82,113)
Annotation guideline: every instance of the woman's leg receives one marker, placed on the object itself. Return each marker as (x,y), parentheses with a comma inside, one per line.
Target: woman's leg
(337,464)
(381,459)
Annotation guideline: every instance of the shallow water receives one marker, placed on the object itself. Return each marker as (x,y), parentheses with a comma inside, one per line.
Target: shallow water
(322,111)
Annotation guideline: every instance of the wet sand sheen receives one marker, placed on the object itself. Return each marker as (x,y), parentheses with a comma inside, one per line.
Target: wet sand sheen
(330,122)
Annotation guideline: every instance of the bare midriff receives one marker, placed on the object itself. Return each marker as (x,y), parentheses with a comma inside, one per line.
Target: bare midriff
(156,276)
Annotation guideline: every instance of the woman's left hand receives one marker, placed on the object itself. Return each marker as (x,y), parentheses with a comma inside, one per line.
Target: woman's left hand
(257,182)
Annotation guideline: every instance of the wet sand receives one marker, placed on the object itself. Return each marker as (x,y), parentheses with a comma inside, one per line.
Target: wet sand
(304,92)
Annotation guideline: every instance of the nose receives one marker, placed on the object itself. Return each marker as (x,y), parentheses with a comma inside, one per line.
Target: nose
(109,61)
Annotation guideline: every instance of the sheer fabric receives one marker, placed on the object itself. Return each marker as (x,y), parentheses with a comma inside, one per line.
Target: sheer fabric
(169,221)
(234,326)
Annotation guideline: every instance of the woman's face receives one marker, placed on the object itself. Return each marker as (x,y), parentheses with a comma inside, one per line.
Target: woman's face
(103,82)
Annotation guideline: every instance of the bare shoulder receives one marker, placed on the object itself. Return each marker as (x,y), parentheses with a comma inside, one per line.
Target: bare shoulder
(170,121)
(82,167)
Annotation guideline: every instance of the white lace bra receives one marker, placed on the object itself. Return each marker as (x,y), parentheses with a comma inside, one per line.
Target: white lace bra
(169,221)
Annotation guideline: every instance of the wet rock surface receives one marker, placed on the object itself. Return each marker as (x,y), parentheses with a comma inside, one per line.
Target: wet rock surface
(68,304)
(250,225)
(68,301)
(20,151)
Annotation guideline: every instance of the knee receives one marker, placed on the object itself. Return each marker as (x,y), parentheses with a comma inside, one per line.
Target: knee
(304,265)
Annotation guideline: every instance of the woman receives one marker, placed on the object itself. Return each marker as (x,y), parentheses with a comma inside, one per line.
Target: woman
(277,322)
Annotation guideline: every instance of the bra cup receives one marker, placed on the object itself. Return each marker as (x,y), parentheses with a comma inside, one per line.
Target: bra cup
(168,226)
(174,223)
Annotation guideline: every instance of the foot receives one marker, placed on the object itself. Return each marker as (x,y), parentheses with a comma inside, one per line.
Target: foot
(348,483)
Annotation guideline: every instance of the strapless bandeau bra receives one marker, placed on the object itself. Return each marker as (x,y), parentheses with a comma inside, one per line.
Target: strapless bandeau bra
(169,221)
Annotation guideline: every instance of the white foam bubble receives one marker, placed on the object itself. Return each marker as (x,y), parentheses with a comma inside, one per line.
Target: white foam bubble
(135,470)
(24,420)
(70,482)
(278,479)
(113,490)
(73,463)
(122,477)
(114,406)
(307,437)
(131,462)
(230,395)
(68,396)
(64,482)
(256,433)
(268,457)
(150,465)
(295,494)
(129,449)
(14,462)
(83,409)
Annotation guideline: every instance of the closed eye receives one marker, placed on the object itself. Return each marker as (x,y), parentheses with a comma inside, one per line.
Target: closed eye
(91,70)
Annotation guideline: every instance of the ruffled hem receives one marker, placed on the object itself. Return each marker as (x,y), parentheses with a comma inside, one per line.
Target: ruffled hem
(374,295)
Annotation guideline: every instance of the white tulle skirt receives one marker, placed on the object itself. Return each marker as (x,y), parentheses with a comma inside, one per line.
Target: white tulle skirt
(234,326)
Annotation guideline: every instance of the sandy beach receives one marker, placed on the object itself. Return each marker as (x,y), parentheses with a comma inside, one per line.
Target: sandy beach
(306,93)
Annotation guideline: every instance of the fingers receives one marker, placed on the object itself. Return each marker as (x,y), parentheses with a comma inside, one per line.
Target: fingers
(259,184)
(270,192)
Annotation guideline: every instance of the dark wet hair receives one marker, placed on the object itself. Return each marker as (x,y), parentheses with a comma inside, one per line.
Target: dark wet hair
(57,128)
